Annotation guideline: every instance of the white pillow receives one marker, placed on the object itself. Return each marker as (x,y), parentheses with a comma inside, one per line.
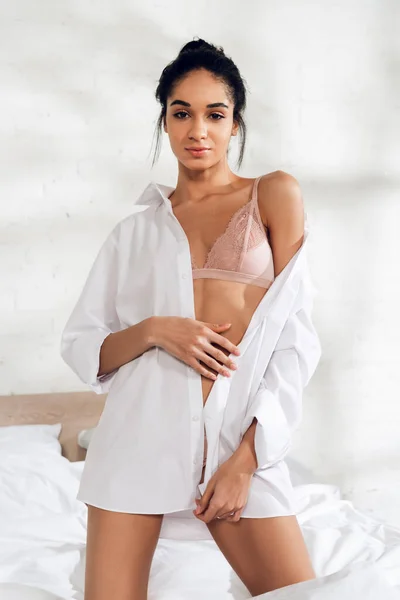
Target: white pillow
(29,438)
(36,480)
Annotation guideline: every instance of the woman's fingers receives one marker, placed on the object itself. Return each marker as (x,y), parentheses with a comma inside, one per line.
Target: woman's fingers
(213,364)
(225,515)
(219,355)
(224,343)
(216,359)
(235,517)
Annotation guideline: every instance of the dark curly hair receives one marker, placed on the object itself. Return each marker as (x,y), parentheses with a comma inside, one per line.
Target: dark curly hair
(195,55)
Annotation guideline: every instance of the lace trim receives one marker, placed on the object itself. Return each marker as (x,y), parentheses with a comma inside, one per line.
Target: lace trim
(228,248)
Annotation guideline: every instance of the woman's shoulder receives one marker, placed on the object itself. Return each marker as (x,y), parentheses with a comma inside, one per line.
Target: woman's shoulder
(279,180)
(279,193)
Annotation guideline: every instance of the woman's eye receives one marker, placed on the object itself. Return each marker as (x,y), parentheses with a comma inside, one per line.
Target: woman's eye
(181,112)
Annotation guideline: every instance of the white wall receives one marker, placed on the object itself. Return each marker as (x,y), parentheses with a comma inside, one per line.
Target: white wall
(78,116)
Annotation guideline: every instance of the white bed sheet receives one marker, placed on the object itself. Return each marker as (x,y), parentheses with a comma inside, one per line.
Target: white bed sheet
(43,534)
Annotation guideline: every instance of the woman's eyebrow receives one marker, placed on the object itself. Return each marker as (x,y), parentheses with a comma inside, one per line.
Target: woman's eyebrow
(213,105)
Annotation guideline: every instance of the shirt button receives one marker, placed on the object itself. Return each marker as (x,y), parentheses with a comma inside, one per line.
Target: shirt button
(195,418)
(184,275)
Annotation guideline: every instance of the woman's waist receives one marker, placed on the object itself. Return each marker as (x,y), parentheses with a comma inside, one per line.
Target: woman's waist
(218,301)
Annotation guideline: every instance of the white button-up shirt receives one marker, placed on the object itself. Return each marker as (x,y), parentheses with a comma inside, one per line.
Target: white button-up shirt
(146,452)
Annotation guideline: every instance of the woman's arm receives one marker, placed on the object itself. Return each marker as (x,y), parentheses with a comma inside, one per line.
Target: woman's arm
(123,346)
(246,453)
(93,328)
(277,404)
(282,203)
(93,344)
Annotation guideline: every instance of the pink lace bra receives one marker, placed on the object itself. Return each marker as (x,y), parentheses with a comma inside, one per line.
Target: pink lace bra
(242,253)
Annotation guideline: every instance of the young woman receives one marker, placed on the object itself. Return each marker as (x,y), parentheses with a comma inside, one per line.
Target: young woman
(196,319)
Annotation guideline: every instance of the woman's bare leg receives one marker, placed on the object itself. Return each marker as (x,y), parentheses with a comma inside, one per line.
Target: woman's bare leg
(266,554)
(119,553)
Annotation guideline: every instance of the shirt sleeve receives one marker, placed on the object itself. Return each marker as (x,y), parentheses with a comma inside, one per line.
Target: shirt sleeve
(93,318)
(277,404)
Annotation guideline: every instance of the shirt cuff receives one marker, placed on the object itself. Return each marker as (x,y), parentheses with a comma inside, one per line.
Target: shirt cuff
(83,357)
(272,438)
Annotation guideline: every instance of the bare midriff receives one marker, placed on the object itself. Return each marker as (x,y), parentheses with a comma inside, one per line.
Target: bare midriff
(219,301)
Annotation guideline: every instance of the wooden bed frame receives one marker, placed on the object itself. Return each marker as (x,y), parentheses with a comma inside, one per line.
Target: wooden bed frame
(74,410)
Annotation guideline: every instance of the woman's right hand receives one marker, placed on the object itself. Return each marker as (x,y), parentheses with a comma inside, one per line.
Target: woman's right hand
(192,341)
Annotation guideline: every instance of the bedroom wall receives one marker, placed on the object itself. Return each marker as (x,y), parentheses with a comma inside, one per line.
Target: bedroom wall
(78,117)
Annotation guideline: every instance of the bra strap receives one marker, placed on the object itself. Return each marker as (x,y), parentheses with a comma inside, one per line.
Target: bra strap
(255,188)
(254,202)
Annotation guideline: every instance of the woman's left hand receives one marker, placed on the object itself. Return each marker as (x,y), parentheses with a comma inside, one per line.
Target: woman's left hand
(226,492)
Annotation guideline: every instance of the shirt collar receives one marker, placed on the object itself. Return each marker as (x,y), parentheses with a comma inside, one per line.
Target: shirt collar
(164,191)
(155,193)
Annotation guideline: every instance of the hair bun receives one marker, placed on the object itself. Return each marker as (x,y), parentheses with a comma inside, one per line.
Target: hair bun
(199,44)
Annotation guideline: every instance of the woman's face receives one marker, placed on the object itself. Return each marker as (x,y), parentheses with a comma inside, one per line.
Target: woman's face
(189,122)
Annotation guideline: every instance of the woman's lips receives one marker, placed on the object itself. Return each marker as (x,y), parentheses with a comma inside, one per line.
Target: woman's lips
(198,152)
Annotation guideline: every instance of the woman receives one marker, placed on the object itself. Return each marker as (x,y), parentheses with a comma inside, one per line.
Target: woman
(236,337)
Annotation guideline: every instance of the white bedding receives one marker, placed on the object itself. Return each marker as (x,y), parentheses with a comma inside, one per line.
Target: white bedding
(43,532)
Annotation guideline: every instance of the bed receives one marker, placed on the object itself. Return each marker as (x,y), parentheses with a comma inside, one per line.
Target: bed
(43,526)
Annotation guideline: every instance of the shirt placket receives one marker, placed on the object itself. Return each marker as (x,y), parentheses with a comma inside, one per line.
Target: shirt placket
(186,303)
